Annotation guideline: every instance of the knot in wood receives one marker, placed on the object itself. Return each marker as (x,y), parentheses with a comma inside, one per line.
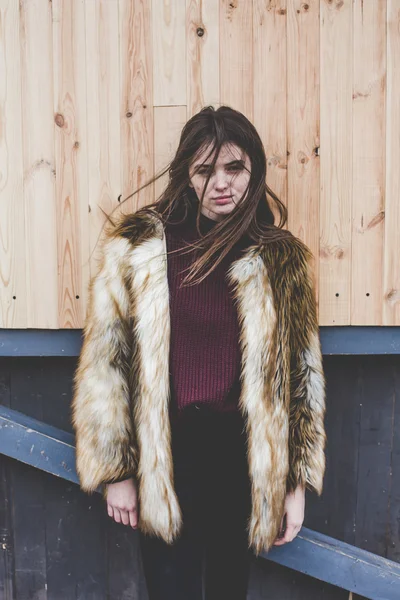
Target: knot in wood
(59,119)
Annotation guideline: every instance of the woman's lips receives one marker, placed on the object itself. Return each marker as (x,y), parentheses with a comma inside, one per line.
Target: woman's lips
(223,200)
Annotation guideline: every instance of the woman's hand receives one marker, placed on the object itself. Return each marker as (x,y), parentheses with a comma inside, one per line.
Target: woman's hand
(122,502)
(294,511)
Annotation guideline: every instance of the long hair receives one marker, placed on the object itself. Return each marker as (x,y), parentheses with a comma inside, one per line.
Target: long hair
(252,216)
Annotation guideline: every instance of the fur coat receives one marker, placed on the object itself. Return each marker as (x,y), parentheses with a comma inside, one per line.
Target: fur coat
(120,408)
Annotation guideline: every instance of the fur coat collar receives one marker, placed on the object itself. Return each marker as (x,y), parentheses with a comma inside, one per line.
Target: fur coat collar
(120,406)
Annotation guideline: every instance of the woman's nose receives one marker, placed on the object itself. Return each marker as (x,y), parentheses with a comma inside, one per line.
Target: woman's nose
(221,182)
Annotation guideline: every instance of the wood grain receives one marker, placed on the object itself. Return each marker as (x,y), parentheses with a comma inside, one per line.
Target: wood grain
(391,286)
(270,90)
(202,30)
(39,164)
(13,293)
(303,89)
(71,154)
(136,114)
(236,55)
(94,94)
(168,123)
(103,117)
(369,134)
(335,161)
(169,52)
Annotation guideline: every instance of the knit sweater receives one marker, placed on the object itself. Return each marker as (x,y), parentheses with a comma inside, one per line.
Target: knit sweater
(205,356)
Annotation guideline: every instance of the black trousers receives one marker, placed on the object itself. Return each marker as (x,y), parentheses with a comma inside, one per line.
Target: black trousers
(213,488)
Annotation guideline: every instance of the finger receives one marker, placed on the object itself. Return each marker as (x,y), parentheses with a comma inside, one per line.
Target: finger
(124,516)
(133,518)
(110,511)
(281,525)
(287,537)
(289,534)
(296,531)
(117,515)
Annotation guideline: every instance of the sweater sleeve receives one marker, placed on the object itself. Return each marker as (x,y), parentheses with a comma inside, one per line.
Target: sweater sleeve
(307,382)
(101,410)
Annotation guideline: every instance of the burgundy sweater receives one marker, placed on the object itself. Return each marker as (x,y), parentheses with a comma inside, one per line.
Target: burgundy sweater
(205,356)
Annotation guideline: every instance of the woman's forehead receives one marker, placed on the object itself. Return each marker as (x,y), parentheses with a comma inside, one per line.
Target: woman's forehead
(228,153)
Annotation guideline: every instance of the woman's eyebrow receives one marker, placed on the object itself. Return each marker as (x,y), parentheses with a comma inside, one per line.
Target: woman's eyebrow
(232,162)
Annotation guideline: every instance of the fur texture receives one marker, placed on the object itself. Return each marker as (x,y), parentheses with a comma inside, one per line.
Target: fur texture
(121,396)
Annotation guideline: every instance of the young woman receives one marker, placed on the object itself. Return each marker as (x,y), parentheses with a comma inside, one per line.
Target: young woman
(200,396)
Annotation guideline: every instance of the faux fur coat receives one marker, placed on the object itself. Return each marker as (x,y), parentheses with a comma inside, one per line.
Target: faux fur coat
(120,408)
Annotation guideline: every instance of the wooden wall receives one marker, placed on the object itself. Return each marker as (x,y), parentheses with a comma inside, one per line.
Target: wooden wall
(94,93)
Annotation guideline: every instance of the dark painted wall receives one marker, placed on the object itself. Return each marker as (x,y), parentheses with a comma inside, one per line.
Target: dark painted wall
(59,544)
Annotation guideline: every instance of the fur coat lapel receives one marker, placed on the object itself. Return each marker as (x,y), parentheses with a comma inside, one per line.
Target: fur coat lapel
(121,397)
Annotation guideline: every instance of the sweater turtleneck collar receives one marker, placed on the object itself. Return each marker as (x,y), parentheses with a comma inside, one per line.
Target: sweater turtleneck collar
(206,224)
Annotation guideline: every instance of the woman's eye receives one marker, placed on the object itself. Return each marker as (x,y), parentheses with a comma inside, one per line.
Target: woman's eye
(234,168)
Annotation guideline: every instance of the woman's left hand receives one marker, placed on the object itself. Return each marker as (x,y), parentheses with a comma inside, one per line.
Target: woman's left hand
(294,511)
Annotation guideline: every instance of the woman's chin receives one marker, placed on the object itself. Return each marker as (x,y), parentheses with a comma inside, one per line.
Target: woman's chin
(222,210)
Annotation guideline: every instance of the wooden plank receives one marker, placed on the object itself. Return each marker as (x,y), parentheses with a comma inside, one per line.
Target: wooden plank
(393,535)
(56,387)
(71,155)
(13,297)
(340,564)
(103,116)
(335,163)
(73,523)
(270,91)
(169,52)
(303,124)
(236,51)
(369,133)
(37,444)
(375,448)
(137,144)
(29,533)
(335,341)
(76,550)
(334,513)
(202,26)
(125,573)
(272,580)
(62,342)
(168,124)
(28,493)
(39,164)
(391,295)
(7,591)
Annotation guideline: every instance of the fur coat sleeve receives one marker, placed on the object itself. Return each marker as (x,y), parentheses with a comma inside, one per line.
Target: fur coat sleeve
(105,453)
(307,382)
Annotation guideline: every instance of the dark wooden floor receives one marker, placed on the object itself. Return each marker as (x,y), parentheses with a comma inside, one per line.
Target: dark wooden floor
(58,543)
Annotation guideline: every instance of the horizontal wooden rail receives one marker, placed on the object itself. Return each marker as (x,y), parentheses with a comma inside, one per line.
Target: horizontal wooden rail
(68,342)
(327,559)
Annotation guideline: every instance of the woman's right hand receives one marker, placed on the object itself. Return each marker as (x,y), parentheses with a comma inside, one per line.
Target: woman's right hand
(122,502)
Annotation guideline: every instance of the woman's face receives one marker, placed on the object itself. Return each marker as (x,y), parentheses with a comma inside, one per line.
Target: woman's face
(228,181)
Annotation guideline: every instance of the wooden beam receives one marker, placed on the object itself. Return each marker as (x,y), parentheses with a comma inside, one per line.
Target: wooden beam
(37,444)
(340,564)
(334,341)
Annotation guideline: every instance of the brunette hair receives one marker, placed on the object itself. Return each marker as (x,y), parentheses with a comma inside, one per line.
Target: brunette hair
(178,202)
